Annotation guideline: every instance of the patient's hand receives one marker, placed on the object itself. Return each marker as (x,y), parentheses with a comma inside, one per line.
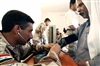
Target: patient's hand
(48,46)
(56,48)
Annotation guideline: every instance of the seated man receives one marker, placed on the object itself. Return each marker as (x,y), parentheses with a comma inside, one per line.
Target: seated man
(58,35)
(16,32)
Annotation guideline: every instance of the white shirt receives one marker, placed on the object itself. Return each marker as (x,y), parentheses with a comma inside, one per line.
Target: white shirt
(71,18)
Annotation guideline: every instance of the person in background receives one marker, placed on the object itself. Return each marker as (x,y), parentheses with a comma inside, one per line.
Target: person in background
(58,35)
(64,33)
(87,53)
(71,19)
(16,32)
(40,36)
(72,22)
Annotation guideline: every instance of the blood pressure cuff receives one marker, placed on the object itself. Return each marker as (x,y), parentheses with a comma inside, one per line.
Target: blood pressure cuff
(67,40)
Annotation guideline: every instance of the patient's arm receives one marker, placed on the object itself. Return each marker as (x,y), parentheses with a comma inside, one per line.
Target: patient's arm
(52,57)
(67,40)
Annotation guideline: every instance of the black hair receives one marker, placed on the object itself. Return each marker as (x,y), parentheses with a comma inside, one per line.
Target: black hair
(15,17)
(57,29)
(47,19)
(64,30)
(72,2)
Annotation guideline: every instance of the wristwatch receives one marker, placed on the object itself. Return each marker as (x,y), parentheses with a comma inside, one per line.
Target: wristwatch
(87,63)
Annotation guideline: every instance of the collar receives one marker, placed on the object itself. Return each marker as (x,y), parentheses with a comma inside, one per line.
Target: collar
(7,43)
(88,22)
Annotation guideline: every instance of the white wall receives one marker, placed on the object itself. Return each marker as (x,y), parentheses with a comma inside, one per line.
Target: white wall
(32,8)
(57,18)
(29,7)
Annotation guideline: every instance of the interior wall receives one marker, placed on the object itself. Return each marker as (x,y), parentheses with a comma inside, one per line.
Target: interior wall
(29,7)
(57,18)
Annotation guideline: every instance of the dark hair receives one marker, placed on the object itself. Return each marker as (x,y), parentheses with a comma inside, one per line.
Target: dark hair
(47,19)
(72,2)
(15,17)
(64,30)
(57,29)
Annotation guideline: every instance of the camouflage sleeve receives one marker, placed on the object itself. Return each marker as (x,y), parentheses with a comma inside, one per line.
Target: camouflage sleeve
(38,49)
(35,49)
(50,59)
(42,28)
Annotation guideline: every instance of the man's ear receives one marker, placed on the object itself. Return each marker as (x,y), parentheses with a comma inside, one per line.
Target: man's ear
(15,29)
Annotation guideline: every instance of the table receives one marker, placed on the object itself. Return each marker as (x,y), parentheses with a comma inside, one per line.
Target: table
(66,60)
(29,60)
